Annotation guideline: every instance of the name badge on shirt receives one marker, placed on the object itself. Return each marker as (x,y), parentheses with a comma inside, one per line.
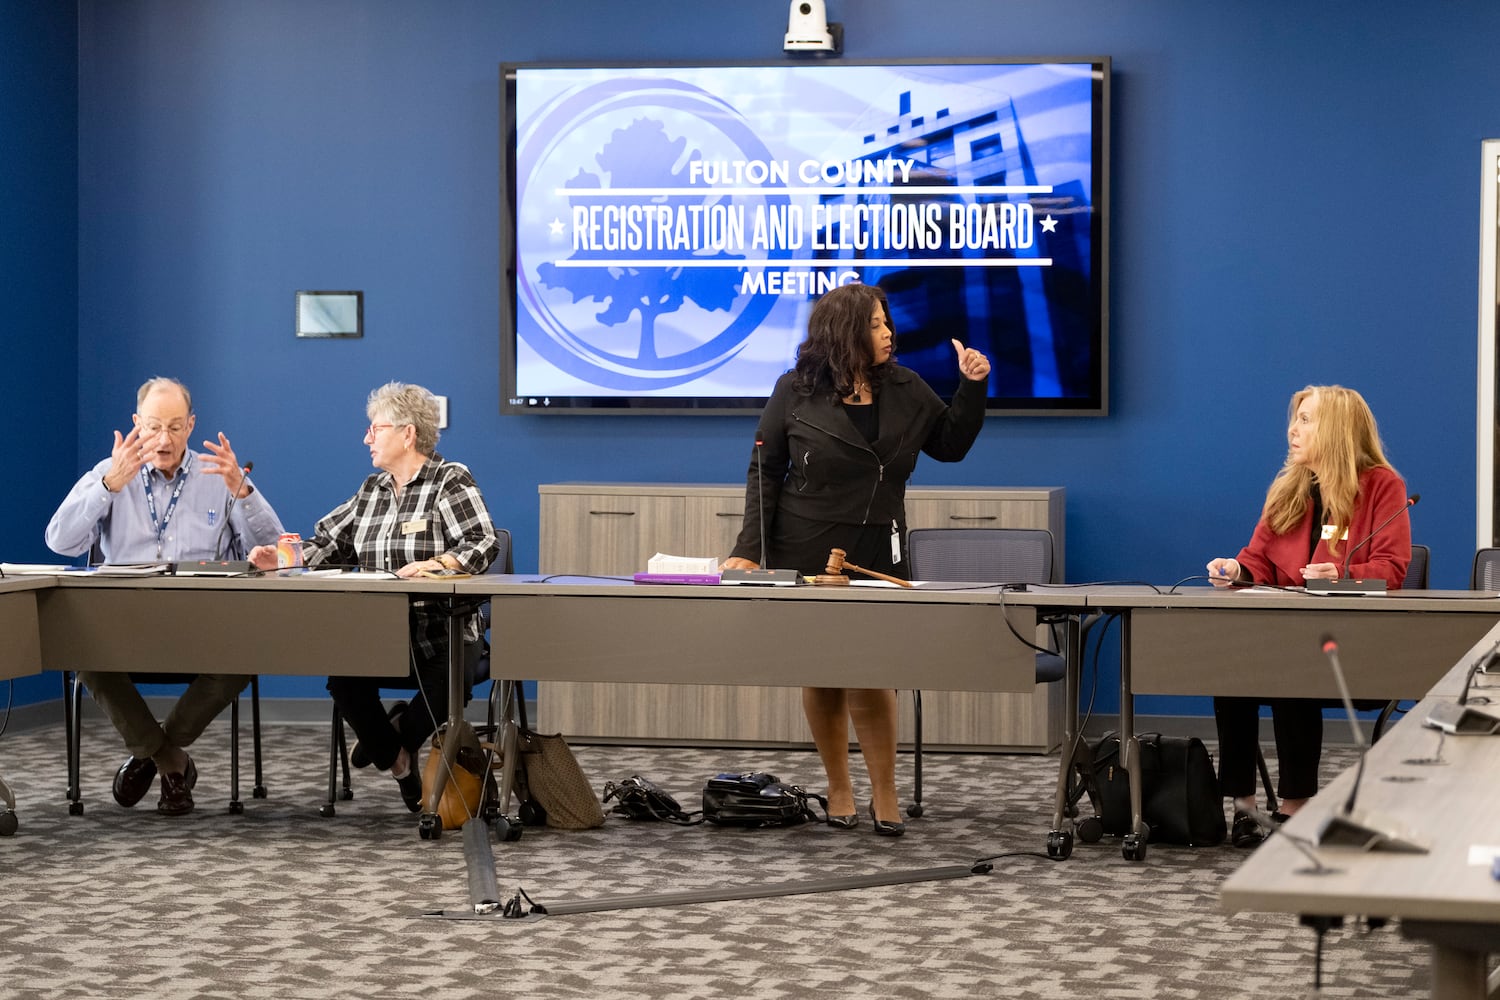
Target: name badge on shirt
(1328,530)
(412,527)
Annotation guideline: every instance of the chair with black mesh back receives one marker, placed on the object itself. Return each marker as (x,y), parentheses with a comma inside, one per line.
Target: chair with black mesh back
(980,555)
(1416,579)
(1486,572)
(478,673)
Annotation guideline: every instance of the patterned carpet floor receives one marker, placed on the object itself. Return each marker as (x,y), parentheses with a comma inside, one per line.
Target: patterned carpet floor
(280,902)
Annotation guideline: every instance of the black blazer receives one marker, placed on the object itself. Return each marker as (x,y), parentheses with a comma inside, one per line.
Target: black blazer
(816,465)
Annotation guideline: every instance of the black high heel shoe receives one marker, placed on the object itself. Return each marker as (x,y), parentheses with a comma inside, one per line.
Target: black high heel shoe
(848,822)
(884,829)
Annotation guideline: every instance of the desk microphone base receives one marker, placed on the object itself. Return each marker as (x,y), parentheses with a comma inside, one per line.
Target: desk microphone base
(1465,720)
(1346,588)
(1362,833)
(760,577)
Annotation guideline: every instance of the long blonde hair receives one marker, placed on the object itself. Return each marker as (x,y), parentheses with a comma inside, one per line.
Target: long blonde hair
(1346,444)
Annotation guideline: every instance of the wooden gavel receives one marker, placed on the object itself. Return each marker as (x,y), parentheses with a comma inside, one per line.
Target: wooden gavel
(837,564)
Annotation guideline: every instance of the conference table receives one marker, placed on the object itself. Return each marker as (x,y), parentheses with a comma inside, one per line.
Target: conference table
(1446,897)
(935,636)
(20,656)
(21,652)
(1260,641)
(351,624)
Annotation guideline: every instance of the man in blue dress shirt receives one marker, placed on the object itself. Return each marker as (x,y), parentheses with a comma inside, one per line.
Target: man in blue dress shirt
(153,500)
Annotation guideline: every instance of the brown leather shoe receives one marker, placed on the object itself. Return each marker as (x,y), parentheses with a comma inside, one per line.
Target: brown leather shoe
(177,791)
(133,779)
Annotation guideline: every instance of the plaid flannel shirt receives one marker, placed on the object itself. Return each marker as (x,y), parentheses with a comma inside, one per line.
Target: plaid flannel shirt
(440,511)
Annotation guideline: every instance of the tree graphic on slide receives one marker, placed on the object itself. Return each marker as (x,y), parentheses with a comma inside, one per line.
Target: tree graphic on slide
(641,155)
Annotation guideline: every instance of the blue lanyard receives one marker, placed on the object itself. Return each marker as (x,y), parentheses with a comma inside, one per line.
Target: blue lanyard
(161,526)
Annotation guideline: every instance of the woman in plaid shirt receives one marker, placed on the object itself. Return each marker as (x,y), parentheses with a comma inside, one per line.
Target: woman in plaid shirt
(419,514)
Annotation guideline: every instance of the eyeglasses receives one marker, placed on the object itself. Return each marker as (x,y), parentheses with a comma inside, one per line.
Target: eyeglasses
(151,428)
(375,429)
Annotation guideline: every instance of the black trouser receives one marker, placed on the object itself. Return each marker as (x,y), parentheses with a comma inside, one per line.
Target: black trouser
(1298,723)
(358,700)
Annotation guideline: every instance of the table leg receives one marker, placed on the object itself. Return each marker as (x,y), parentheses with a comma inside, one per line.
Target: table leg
(1133,847)
(1060,839)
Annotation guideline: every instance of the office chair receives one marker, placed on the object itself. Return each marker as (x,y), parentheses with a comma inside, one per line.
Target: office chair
(338,748)
(1486,572)
(980,555)
(73,726)
(1416,579)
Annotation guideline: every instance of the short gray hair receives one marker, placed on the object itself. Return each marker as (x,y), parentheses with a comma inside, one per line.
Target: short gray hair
(161,382)
(404,404)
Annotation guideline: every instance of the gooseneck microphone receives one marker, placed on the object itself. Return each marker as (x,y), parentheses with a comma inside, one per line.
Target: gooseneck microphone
(1344,585)
(1345,827)
(1460,717)
(234,495)
(762,576)
(760,499)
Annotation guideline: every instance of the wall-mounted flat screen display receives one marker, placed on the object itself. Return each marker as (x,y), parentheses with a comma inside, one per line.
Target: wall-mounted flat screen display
(665,230)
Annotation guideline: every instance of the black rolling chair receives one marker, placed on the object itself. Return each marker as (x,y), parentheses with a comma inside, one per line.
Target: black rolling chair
(73,727)
(338,749)
(980,555)
(1486,572)
(1416,579)
(73,706)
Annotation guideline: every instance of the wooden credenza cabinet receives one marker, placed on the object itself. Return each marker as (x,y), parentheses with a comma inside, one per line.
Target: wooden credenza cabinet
(614,528)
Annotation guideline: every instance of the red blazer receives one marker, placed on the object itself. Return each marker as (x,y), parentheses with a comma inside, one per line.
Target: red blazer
(1277,559)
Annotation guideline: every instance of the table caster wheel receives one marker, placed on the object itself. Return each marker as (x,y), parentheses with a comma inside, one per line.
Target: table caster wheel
(346,794)
(508,829)
(75,808)
(8,823)
(1090,830)
(1133,847)
(1060,845)
(914,810)
(430,826)
(259,792)
(236,808)
(326,809)
(532,814)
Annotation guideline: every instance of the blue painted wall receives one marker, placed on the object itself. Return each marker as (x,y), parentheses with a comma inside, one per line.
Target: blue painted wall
(1294,199)
(38,276)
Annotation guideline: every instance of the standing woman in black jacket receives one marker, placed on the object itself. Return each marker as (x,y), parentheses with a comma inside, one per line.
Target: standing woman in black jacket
(839,438)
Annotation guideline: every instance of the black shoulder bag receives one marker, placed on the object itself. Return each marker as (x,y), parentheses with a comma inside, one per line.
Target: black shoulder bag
(1180,797)
(636,797)
(756,799)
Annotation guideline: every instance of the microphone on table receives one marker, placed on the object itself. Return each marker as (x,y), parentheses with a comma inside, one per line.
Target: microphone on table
(1344,585)
(1345,827)
(762,576)
(1461,718)
(218,565)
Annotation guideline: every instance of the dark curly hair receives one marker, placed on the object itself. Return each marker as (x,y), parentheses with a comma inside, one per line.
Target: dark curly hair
(837,350)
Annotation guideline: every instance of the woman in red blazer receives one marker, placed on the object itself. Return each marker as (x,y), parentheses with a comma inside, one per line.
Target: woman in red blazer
(1335,489)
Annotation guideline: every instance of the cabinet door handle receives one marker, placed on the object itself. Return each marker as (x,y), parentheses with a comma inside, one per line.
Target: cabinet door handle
(725,513)
(616,513)
(973,517)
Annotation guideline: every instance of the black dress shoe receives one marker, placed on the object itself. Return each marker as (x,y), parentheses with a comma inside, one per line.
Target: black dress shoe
(411,783)
(133,780)
(177,792)
(848,822)
(884,829)
(357,755)
(1245,832)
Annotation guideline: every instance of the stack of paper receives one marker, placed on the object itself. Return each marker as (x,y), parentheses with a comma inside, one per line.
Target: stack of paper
(662,563)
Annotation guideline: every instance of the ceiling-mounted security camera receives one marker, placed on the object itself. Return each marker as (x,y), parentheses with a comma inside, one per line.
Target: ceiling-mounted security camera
(808,30)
